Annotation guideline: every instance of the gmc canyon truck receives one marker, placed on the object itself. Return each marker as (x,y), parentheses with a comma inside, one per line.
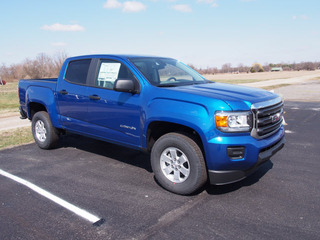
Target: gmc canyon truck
(195,130)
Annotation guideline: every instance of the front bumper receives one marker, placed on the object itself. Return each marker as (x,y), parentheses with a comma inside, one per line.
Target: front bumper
(231,176)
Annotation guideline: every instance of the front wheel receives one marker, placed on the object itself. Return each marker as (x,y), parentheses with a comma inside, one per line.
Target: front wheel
(178,163)
(44,134)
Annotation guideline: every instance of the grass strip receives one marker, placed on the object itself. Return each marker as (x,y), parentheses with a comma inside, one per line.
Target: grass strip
(236,81)
(9,100)
(14,137)
(275,86)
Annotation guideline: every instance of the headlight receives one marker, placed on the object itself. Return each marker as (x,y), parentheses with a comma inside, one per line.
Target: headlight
(233,121)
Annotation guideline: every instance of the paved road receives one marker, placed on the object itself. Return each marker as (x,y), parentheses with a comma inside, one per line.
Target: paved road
(306,92)
(12,122)
(280,201)
(290,81)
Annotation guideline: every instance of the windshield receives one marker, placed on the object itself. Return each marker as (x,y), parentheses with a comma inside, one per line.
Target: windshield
(166,72)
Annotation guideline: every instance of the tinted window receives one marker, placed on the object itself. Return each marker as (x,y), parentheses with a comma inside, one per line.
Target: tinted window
(110,71)
(77,71)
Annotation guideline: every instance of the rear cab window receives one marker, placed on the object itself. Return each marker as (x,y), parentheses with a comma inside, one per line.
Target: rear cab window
(77,71)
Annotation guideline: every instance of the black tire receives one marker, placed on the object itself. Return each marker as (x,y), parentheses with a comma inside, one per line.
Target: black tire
(44,134)
(186,150)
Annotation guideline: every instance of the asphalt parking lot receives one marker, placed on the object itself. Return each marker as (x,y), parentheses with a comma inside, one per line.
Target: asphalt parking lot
(279,201)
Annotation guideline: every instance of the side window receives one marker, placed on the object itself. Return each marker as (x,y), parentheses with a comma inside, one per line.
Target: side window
(110,71)
(77,71)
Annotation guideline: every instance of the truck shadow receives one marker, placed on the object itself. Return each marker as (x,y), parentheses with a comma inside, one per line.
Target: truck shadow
(142,160)
(250,180)
(108,150)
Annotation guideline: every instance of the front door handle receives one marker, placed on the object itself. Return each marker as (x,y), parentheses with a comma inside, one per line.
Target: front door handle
(94,97)
(63,92)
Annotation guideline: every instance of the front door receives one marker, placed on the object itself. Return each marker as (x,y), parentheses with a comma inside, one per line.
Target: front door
(112,115)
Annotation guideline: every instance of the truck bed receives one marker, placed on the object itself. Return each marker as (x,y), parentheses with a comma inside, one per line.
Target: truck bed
(43,82)
(42,87)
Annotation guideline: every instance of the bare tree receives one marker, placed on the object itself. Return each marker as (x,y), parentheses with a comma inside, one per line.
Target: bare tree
(266,67)
(44,66)
(242,68)
(310,66)
(226,68)
(38,68)
(58,61)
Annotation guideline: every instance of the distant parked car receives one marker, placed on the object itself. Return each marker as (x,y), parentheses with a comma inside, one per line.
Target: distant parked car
(2,82)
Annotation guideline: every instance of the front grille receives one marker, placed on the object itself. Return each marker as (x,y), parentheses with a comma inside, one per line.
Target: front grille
(267,118)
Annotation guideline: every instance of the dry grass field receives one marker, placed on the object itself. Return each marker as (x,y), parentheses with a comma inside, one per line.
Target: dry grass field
(9,104)
(262,76)
(15,137)
(9,101)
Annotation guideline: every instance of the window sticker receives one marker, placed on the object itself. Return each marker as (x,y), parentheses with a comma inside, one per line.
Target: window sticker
(108,72)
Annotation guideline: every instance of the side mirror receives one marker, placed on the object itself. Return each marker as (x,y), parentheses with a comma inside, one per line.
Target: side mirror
(125,85)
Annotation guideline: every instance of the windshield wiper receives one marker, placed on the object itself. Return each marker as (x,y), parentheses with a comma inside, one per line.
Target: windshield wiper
(182,84)
(197,83)
(167,85)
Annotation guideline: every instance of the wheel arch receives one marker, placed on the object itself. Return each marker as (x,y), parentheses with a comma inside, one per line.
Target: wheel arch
(42,99)
(34,107)
(156,129)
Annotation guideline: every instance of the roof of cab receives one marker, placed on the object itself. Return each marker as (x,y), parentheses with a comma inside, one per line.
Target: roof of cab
(122,56)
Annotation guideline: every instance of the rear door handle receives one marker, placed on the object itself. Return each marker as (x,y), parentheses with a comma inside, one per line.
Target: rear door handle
(94,97)
(63,92)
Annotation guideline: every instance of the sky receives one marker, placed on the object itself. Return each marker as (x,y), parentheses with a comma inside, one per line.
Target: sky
(205,33)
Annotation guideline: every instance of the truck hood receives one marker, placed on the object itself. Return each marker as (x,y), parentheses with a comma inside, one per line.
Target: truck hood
(234,95)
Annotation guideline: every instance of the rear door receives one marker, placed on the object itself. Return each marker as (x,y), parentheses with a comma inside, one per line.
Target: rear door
(71,95)
(112,115)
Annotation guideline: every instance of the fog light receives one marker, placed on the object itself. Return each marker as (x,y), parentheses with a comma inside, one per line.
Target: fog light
(236,152)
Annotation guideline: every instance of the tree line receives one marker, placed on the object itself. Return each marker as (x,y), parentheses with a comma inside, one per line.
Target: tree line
(45,66)
(42,66)
(257,67)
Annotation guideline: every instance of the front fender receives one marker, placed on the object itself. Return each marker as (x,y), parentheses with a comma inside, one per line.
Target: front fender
(195,115)
(192,115)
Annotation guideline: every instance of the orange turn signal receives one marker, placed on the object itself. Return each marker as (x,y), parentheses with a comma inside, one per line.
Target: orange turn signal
(221,121)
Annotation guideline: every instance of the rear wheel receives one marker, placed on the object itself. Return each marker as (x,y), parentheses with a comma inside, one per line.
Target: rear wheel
(178,163)
(44,134)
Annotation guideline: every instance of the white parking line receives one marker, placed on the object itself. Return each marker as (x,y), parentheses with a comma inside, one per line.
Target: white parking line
(289,131)
(82,213)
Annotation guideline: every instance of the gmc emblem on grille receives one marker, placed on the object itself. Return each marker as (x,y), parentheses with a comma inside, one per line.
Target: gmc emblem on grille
(276,117)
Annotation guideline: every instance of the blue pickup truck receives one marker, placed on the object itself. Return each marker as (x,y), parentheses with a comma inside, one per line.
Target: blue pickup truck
(196,131)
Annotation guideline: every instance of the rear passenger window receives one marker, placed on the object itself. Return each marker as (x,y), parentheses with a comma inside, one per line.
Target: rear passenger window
(77,71)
